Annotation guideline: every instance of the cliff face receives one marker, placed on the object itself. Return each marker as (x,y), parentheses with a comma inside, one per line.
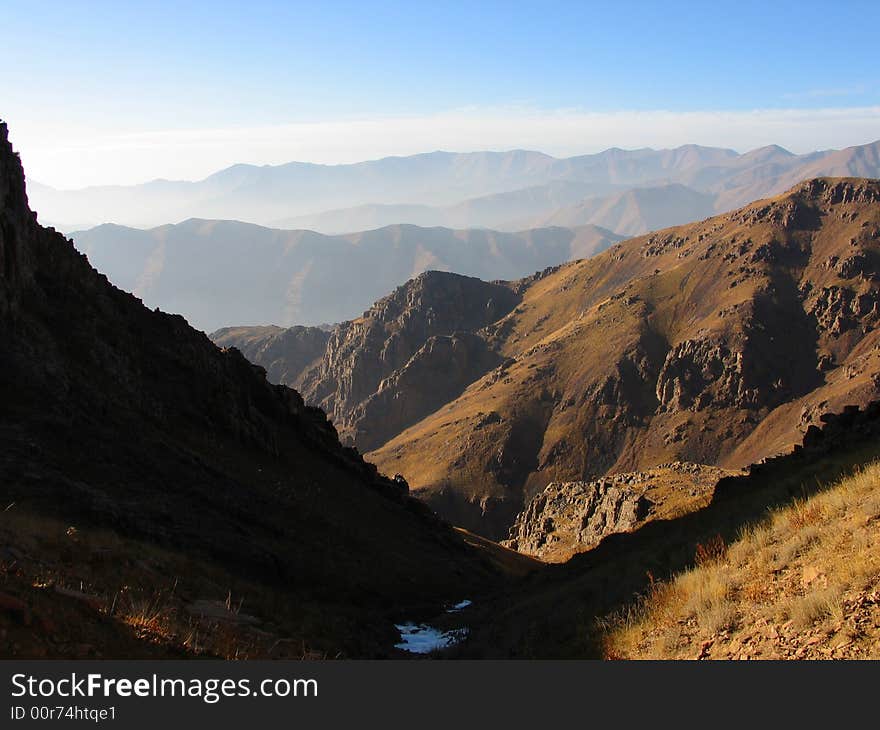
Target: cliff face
(438,372)
(590,510)
(118,416)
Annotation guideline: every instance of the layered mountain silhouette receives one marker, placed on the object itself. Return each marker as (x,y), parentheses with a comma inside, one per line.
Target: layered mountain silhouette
(123,419)
(637,210)
(219,273)
(500,210)
(717,342)
(455,190)
(535,211)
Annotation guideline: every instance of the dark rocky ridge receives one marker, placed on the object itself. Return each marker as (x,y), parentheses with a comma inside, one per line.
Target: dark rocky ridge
(117,416)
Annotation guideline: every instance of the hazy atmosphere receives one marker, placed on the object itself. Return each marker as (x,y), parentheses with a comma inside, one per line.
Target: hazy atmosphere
(416,331)
(124,93)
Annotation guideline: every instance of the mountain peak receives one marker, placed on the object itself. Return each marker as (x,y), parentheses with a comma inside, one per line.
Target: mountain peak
(12,177)
(768,151)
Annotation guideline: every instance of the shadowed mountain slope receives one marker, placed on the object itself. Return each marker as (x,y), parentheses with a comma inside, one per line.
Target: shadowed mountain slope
(126,419)
(285,353)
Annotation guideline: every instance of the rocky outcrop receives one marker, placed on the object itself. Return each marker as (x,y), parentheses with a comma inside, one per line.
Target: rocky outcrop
(583,511)
(363,353)
(840,309)
(570,517)
(698,372)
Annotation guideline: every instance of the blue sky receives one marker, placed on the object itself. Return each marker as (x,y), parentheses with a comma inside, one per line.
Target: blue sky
(103,91)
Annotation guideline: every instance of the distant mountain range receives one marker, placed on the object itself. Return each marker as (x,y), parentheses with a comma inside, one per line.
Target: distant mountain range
(218,273)
(500,190)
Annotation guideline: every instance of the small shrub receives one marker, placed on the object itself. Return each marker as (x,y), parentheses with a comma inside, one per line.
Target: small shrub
(712,551)
(802,513)
(804,611)
(719,617)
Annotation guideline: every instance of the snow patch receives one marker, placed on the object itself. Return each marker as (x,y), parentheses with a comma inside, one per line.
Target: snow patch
(422,639)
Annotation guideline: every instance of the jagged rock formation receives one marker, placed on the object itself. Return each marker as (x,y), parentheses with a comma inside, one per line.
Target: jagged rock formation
(284,353)
(437,373)
(589,510)
(119,417)
(570,517)
(716,343)
(394,341)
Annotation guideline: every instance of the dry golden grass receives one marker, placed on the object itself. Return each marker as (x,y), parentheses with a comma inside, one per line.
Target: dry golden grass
(804,582)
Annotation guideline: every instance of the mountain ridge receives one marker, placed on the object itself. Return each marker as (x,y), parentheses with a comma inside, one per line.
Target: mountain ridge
(272,193)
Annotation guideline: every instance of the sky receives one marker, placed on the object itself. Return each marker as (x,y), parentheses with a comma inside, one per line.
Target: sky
(119,93)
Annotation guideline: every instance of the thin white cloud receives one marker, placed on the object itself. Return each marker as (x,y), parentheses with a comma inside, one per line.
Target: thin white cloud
(826,92)
(65,157)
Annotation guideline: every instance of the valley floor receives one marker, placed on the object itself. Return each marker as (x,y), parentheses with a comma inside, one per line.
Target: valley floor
(69,592)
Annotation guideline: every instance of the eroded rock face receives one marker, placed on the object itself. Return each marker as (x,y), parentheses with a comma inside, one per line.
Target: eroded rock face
(840,309)
(697,372)
(834,191)
(578,513)
(363,353)
(438,372)
(570,517)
